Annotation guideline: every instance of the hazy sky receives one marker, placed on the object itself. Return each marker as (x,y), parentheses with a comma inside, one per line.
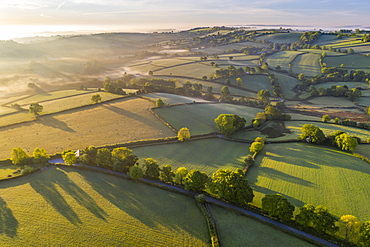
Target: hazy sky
(185,14)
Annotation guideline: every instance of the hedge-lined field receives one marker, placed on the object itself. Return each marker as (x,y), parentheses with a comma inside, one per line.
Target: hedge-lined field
(199,118)
(307,173)
(237,230)
(282,59)
(108,123)
(350,61)
(172,99)
(287,83)
(307,64)
(281,37)
(206,155)
(70,207)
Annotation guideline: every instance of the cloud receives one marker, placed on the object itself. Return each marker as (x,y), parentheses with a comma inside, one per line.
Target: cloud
(60,5)
(22,4)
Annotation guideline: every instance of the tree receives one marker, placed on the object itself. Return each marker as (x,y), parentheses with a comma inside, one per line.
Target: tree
(151,168)
(225,94)
(167,174)
(19,156)
(312,133)
(89,156)
(306,215)
(278,206)
(323,220)
(231,58)
(249,160)
(326,118)
(346,142)
(239,82)
(255,147)
(159,103)
(264,96)
(183,134)
(136,172)
(350,226)
(195,180)
(40,156)
(69,157)
(150,73)
(231,186)
(180,174)
(229,123)
(104,157)
(365,234)
(35,109)
(123,159)
(272,113)
(96,98)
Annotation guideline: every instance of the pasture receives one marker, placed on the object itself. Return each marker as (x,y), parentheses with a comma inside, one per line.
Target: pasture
(307,173)
(194,70)
(251,82)
(287,83)
(207,155)
(225,48)
(281,37)
(9,171)
(349,62)
(199,118)
(307,64)
(239,230)
(107,123)
(71,207)
(319,52)
(282,59)
(171,99)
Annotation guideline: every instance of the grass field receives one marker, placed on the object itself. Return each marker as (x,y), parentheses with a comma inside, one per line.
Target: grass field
(108,123)
(282,59)
(206,155)
(319,52)
(224,48)
(350,61)
(238,230)
(287,83)
(308,64)
(5,171)
(252,82)
(172,99)
(319,175)
(70,207)
(349,84)
(199,118)
(189,70)
(281,37)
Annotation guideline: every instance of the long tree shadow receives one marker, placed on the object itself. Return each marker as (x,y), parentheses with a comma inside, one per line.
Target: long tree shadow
(143,203)
(263,190)
(8,223)
(278,175)
(126,113)
(55,123)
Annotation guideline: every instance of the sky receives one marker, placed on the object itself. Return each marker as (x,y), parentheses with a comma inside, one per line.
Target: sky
(147,15)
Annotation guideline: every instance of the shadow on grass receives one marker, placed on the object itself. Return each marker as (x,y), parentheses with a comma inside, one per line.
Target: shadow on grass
(46,186)
(126,113)
(8,223)
(263,190)
(151,206)
(55,123)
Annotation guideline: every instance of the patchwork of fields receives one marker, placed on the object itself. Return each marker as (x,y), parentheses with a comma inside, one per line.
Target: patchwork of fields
(306,173)
(70,207)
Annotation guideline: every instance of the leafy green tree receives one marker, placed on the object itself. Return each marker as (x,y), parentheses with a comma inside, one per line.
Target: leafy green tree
(306,215)
(167,174)
(104,157)
(195,180)
(227,124)
(231,186)
(151,168)
(277,206)
(349,225)
(96,98)
(239,82)
(256,147)
(264,96)
(346,142)
(312,133)
(225,94)
(123,159)
(337,120)
(35,109)
(136,172)
(69,157)
(40,156)
(180,174)
(89,156)
(19,156)
(183,134)
(326,118)
(365,234)
(324,221)
(159,103)
(249,161)
(272,113)
(121,153)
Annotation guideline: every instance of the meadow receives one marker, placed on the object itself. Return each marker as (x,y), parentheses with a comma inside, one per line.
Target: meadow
(320,52)
(107,123)
(71,207)
(251,82)
(238,230)
(171,99)
(307,64)
(327,176)
(280,37)
(206,155)
(282,59)
(350,62)
(287,83)
(199,118)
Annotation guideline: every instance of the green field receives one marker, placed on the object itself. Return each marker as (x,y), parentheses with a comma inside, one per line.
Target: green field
(319,175)
(348,84)
(319,52)
(195,70)
(287,83)
(71,207)
(238,230)
(282,59)
(9,171)
(280,37)
(171,99)
(224,48)
(199,118)
(251,82)
(350,62)
(206,155)
(307,64)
